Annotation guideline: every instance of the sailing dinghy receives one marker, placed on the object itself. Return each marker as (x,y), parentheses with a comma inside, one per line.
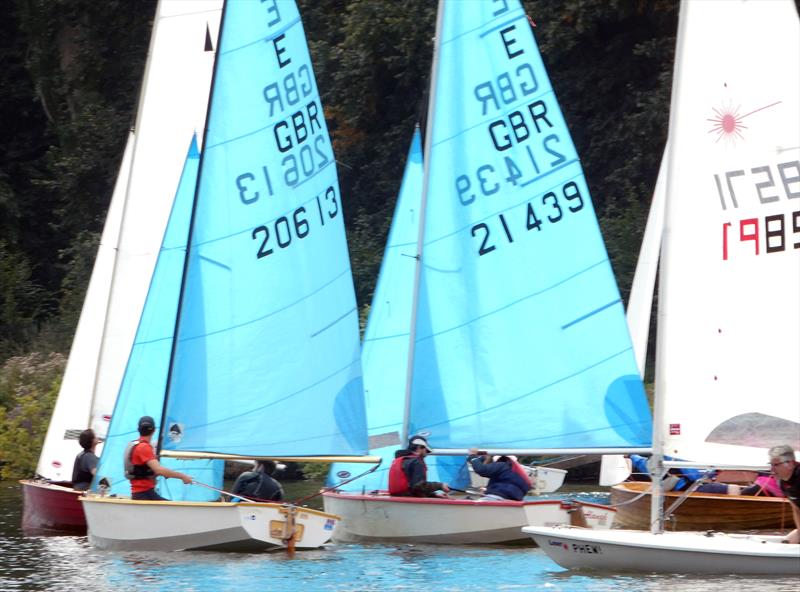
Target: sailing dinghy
(726,363)
(171,107)
(515,340)
(265,354)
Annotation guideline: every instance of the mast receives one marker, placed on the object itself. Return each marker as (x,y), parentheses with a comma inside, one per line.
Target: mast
(426,166)
(190,235)
(657,460)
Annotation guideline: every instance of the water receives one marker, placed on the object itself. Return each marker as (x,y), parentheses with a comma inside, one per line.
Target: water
(68,563)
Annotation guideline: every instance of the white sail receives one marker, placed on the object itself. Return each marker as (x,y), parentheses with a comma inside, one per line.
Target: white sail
(172,107)
(727,372)
(71,412)
(640,301)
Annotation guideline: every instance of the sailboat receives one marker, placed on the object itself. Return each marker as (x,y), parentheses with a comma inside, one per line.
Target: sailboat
(516,340)
(171,107)
(265,353)
(727,345)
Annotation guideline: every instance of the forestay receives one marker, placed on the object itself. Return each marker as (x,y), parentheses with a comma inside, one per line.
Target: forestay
(266,360)
(521,341)
(730,270)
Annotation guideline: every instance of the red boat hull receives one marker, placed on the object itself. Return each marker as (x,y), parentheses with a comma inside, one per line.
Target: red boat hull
(52,506)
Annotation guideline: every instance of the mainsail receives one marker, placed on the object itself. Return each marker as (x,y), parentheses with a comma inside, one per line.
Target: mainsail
(171,108)
(71,413)
(520,336)
(728,343)
(266,359)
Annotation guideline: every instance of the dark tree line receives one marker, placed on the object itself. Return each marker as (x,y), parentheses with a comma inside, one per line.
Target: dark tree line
(70,82)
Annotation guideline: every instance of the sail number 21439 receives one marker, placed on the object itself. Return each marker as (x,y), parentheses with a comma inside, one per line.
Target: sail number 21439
(549,208)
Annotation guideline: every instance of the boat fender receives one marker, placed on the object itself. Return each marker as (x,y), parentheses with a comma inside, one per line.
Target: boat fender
(133,471)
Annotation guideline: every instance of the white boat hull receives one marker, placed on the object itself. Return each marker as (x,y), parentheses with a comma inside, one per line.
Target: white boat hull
(124,524)
(380,517)
(543,479)
(668,552)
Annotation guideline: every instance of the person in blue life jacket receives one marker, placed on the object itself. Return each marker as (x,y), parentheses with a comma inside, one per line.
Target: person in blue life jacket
(507,479)
(259,484)
(681,479)
(86,462)
(408,473)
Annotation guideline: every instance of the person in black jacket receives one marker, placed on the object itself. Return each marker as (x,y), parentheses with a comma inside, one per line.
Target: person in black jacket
(505,482)
(86,462)
(258,484)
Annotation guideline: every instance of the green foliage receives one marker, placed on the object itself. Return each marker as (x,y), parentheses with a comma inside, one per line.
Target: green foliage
(28,389)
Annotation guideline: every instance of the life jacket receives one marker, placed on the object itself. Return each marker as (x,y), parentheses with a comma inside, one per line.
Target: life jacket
(133,471)
(522,473)
(398,480)
(79,475)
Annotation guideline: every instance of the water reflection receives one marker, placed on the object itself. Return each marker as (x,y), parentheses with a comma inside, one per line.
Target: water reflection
(68,563)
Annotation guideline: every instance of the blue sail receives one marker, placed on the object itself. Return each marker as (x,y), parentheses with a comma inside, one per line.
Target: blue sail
(521,341)
(145,379)
(267,358)
(384,354)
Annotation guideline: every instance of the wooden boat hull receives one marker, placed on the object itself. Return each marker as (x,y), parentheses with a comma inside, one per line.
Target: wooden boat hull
(380,517)
(124,524)
(52,506)
(702,511)
(669,552)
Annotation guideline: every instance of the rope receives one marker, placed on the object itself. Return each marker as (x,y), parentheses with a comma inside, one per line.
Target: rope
(332,487)
(630,501)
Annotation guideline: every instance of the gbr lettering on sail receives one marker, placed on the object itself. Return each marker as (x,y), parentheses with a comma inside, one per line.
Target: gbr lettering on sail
(523,126)
(299,142)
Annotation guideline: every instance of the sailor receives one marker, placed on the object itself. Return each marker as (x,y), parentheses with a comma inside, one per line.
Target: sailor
(507,479)
(142,466)
(787,470)
(259,484)
(86,462)
(408,473)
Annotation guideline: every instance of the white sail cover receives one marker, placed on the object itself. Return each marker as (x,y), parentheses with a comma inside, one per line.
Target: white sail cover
(71,411)
(728,366)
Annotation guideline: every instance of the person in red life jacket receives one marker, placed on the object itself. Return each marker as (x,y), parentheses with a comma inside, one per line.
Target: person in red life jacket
(142,466)
(408,475)
(787,470)
(86,462)
(507,479)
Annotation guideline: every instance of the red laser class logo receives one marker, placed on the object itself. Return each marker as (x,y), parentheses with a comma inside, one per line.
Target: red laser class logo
(728,124)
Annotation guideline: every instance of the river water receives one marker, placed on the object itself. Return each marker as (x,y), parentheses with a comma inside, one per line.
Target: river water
(69,563)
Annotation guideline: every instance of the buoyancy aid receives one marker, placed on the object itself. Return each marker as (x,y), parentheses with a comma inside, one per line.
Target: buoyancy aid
(523,474)
(133,471)
(398,480)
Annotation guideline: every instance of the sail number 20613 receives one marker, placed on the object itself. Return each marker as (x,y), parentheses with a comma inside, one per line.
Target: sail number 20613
(297,225)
